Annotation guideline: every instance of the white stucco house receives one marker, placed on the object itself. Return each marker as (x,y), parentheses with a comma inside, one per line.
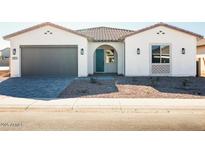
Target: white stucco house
(50,49)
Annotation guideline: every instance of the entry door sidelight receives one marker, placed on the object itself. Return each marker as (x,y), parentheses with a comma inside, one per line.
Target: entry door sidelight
(100,60)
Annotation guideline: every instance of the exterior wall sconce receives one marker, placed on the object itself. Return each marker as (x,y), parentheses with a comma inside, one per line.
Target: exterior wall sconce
(183,51)
(138,51)
(14,51)
(82,51)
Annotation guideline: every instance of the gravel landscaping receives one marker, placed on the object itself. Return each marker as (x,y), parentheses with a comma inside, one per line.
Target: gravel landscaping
(136,87)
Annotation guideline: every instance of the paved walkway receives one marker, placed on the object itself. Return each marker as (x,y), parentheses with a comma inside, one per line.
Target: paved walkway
(81,104)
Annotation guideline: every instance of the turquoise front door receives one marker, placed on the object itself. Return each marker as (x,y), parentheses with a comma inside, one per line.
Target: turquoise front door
(100,60)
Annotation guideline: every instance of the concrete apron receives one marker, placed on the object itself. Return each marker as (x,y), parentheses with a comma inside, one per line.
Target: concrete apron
(12,104)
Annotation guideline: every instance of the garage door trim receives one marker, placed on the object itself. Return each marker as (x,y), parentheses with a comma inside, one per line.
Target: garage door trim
(30,46)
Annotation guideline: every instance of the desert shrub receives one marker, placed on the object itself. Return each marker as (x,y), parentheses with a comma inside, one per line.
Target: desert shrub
(134,79)
(83,91)
(93,80)
(153,81)
(157,79)
(197,93)
(185,83)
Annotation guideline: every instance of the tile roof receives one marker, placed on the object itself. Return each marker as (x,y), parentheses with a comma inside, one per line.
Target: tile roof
(165,25)
(201,42)
(105,34)
(42,25)
(102,34)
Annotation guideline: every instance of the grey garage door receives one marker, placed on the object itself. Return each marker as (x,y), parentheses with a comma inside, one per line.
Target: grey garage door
(49,60)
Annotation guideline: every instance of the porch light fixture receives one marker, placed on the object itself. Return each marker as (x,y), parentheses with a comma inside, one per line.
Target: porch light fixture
(82,51)
(14,51)
(138,51)
(183,51)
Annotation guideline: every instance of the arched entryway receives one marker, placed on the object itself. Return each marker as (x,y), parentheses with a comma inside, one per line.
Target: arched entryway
(105,59)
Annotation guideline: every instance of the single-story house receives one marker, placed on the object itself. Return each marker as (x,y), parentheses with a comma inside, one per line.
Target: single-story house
(201,57)
(50,49)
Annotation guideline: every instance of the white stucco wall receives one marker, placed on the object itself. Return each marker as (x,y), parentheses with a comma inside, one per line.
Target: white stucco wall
(58,37)
(118,46)
(136,65)
(181,65)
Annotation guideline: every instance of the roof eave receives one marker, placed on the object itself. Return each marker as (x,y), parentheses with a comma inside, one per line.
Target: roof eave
(198,36)
(201,45)
(106,40)
(7,37)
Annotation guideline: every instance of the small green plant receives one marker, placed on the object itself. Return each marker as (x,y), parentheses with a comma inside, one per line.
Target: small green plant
(99,83)
(199,93)
(196,93)
(153,82)
(157,79)
(134,79)
(83,91)
(93,80)
(185,83)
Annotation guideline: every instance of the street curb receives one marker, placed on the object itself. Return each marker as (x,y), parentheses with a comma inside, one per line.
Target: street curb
(98,104)
(102,110)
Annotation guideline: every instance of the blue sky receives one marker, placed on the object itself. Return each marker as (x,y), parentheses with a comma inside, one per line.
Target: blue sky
(10,27)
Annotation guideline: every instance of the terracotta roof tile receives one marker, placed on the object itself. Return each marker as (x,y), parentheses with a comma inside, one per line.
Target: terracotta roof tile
(165,25)
(201,42)
(42,25)
(105,34)
(102,34)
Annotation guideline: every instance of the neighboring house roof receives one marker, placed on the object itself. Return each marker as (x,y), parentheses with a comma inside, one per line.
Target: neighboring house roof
(165,25)
(201,43)
(105,34)
(42,25)
(5,52)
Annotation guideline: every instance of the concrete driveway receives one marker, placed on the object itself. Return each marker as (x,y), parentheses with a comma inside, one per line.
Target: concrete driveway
(34,87)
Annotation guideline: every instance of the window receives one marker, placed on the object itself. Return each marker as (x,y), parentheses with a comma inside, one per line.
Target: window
(110,57)
(155,54)
(165,54)
(160,54)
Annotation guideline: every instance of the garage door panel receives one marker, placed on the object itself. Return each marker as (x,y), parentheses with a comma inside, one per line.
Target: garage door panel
(49,61)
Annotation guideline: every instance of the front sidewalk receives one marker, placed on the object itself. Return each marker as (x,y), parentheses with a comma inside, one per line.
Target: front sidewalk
(96,104)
